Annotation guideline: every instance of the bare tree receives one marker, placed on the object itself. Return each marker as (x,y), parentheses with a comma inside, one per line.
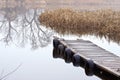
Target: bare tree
(37,35)
(23,27)
(2,77)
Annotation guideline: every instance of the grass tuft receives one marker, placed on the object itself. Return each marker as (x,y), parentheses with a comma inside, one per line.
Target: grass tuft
(102,23)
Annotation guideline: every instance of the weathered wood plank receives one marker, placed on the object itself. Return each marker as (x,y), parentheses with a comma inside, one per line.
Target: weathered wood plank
(102,58)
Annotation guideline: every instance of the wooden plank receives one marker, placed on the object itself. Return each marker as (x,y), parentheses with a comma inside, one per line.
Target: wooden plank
(82,43)
(107,69)
(88,50)
(95,53)
(77,40)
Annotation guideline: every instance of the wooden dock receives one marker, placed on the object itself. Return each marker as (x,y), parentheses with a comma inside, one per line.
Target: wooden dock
(95,60)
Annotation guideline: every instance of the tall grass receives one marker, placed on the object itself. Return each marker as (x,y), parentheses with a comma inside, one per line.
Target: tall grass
(102,23)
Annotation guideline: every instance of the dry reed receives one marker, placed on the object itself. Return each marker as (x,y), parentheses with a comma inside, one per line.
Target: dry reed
(99,22)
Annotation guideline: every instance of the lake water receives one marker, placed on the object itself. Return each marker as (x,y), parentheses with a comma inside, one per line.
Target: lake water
(26,46)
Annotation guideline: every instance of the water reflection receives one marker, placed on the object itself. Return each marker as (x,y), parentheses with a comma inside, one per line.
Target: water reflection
(60,53)
(3,77)
(19,24)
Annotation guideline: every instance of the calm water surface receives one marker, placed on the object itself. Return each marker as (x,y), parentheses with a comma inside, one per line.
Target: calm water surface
(26,46)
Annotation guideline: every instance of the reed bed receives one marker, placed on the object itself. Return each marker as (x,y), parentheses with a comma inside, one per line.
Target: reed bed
(102,23)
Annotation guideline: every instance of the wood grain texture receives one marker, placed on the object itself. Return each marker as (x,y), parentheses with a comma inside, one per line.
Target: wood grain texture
(101,57)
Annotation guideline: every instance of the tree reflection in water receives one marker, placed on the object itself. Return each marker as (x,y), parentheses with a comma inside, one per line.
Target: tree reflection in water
(20,25)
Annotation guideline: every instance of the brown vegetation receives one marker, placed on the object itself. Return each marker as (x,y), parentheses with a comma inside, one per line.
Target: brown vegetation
(99,22)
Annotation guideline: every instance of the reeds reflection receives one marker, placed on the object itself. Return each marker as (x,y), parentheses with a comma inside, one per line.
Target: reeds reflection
(20,25)
(101,23)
